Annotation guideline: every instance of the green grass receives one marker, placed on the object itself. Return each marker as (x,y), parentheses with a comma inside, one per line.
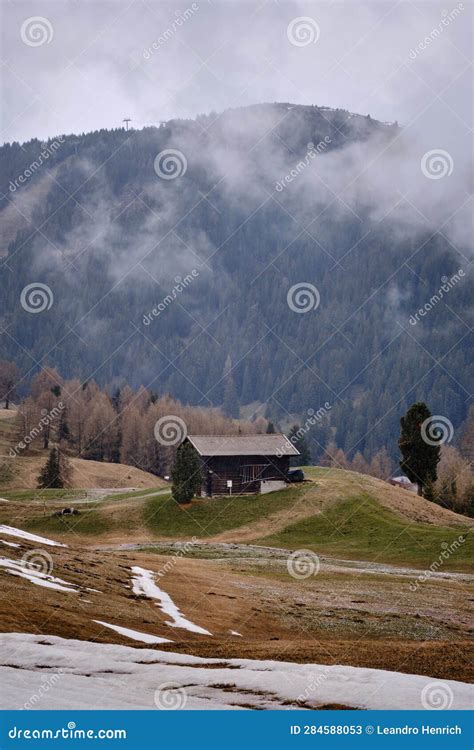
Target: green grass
(359,528)
(136,493)
(213,516)
(354,527)
(163,516)
(90,522)
(40,495)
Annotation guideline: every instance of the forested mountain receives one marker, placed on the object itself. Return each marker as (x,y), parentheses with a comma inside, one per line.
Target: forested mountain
(182,284)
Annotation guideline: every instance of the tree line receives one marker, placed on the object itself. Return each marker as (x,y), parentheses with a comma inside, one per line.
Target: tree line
(79,419)
(87,422)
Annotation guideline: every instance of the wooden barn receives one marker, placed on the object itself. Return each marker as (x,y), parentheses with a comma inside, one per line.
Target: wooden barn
(244,463)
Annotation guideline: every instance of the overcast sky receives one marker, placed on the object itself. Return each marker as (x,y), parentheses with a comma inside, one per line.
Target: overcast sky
(87,64)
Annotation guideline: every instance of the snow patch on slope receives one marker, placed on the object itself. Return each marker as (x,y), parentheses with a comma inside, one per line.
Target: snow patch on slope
(12,531)
(143,584)
(16,568)
(135,635)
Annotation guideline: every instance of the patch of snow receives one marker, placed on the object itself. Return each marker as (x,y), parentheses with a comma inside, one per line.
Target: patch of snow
(234,632)
(143,583)
(4,500)
(15,568)
(11,531)
(96,591)
(9,544)
(135,635)
(133,675)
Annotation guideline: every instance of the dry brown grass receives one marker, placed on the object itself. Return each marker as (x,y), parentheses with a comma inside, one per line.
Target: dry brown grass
(85,474)
(355,619)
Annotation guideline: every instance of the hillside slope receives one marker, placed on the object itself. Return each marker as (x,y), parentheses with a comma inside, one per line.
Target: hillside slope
(341,514)
(85,475)
(21,472)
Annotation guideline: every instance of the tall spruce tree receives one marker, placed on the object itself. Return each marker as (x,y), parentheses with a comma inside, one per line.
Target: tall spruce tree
(186,474)
(419,458)
(55,474)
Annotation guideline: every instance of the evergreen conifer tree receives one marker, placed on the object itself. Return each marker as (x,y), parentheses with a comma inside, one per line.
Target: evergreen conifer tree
(186,474)
(419,457)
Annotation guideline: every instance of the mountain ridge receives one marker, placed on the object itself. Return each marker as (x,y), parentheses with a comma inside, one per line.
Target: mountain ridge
(116,240)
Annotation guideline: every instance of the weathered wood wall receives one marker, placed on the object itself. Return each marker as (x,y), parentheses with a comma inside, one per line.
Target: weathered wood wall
(232,467)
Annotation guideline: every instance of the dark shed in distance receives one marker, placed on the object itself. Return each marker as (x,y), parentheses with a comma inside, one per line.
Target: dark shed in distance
(236,464)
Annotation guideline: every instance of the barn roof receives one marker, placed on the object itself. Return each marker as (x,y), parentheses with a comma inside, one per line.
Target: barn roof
(243,445)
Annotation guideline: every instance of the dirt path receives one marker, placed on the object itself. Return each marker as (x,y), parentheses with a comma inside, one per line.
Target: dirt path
(260,555)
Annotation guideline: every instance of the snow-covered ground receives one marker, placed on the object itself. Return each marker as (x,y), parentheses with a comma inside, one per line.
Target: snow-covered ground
(12,531)
(9,544)
(143,584)
(135,635)
(93,675)
(16,568)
